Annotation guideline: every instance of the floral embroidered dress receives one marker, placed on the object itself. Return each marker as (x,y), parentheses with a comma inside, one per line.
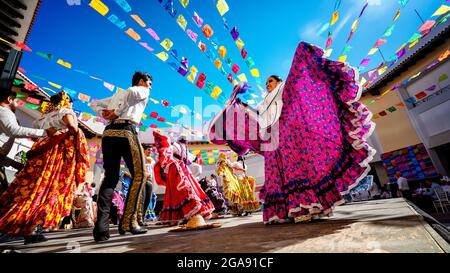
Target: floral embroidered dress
(316,151)
(43,191)
(183,197)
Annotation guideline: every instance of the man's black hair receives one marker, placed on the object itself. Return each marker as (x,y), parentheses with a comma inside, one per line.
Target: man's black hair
(140,76)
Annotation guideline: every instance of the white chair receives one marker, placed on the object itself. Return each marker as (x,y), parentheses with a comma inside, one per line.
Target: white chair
(442,200)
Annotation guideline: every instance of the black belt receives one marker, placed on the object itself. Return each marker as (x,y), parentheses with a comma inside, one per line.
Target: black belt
(123,121)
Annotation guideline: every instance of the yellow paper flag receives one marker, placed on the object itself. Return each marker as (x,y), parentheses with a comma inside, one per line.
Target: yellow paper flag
(193,69)
(255,72)
(138,20)
(216,92)
(240,44)
(335,17)
(182,22)
(184,3)
(251,102)
(55,85)
(242,78)
(218,63)
(154,101)
(355,24)
(167,44)
(144,116)
(441,10)
(342,59)
(133,34)
(63,63)
(99,6)
(210,160)
(222,52)
(222,7)
(235,82)
(382,70)
(169,123)
(163,56)
(363,81)
(254,96)
(372,51)
(411,45)
(396,15)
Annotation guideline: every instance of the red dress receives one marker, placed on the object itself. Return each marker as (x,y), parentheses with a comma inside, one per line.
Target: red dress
(184,197)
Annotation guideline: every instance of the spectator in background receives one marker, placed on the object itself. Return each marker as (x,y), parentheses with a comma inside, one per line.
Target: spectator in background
(403,187)
(373,189)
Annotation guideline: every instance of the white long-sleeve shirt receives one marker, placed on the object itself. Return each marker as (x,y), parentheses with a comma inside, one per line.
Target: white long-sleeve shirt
(127,104)
(10,130)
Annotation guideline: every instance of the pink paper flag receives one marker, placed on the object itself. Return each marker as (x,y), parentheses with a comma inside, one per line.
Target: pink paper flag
(192,35)
(427,25)
(365,62)
(153,34)
(380,42)
(109,86)
(329,41)
(146,46)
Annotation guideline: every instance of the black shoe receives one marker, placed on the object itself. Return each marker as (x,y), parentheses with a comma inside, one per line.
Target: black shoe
(34,239)
(100,236)
(139,230)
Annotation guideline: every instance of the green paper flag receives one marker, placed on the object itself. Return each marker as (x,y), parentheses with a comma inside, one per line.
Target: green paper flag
(414,37)
(371,102)
(39,78)
(44,55)
(20,96)
(347,48)
(17,82)
(443,77)
(388,31)
(392,109)
(32,106)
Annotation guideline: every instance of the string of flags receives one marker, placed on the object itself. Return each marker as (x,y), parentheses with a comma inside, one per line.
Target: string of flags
(372,75)
(169,51)
(334,19)
(347,48)
(381,41)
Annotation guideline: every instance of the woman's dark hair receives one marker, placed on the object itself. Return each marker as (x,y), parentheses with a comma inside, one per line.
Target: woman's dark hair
(213,176)
(241,158)
(140,76)
(277,78)
(195,159)
(6,93)
(56,99)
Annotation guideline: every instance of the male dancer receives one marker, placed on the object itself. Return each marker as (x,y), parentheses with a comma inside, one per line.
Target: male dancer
(124,111)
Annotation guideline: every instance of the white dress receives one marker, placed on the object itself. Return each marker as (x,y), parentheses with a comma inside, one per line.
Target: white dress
(54,119)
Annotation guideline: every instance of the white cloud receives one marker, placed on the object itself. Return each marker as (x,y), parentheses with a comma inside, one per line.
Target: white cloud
(310,32)
(374,2)
(341,24)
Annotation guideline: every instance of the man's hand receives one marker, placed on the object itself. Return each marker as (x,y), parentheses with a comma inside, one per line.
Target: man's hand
(51,131)
(109,115)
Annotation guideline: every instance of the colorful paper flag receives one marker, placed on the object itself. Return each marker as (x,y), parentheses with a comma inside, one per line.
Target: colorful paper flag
(207,31)
(382,113)
(116,21)
(32,106)
(99,6)
(396,15)
(242,78)
(420,95)
(410,100)
(109,86)
(342,58)
(23,46)
(133,34)
(443,77)
(163,56)
(382,70)
(216,92)
(392,109)
(222,7)
(388,31)
(380,42)
(146,46)
(83,97)
(153,34)
(45,55)
(373,51)
(138,20)
(184,3)
(365,62)
(33,100)
(192,35)
(197,19)
(31,87)
(63,63)
(124,5)
(427,25)
(222,52)
(254,72)
(441,10)
(403,2)
(239,43)
(181,21)
(57,86)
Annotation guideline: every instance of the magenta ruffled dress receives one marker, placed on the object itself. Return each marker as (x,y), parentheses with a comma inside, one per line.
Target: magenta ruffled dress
(317,151)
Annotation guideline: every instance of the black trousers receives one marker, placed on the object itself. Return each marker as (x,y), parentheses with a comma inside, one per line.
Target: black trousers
(121,141)
(147,192)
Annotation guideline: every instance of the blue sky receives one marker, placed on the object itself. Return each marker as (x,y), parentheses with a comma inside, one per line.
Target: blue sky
(270,30)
